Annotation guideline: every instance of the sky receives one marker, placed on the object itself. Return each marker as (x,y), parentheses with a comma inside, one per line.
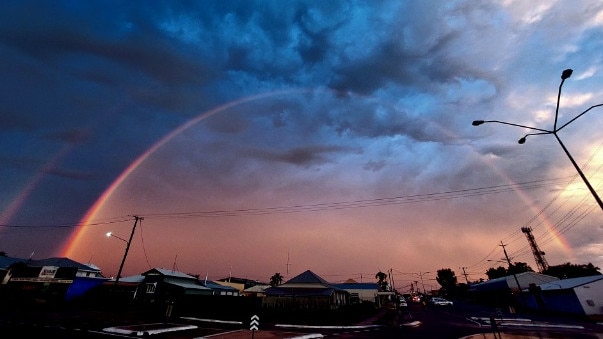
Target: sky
(248,138)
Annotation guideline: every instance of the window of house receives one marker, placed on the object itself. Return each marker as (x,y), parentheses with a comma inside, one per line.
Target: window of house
(150,288)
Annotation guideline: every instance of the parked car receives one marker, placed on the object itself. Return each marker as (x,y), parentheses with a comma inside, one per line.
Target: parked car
(402,303)
(440,301)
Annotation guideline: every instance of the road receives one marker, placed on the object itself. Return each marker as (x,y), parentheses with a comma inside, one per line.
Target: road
(417,322)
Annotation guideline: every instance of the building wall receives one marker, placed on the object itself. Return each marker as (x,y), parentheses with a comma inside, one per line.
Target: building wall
(590,297)
(364,294)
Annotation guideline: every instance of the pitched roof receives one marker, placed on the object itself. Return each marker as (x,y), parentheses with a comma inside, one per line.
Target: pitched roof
(509,281)
(216,286)
(570,283)
(62,262)
(308,277)
(168,273)
(306,292)
(6,261)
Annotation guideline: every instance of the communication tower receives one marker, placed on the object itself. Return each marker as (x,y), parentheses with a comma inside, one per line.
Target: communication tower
(538,254)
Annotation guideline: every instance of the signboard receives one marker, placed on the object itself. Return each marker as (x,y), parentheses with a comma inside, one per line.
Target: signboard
(48,272)
(255,323)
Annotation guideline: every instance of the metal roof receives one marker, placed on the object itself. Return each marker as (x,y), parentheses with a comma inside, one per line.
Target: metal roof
(6,262)
(169,273)
(307,277)
(570,283)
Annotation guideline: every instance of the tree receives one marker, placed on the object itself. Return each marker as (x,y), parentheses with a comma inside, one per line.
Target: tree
(381,281)
(498,272)
(568,270)
(516,268)
(519,267)
(447,279)
(276,279)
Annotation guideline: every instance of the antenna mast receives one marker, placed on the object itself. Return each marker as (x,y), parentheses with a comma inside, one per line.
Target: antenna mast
(538,254)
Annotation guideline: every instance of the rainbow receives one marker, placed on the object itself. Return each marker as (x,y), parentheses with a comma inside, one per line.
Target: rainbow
(556,236)
(71,243)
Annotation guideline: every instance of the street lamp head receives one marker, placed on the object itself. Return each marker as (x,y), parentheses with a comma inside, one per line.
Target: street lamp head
(477,122)
(109,234)
(566,74)
(522,141)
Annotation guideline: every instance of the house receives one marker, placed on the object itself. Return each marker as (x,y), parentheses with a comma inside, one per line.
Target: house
(162,285)
(220,289)
(307,292)
(505,291)
(239,283)
(48,280)
(581,296)
(360,292)
(256,290)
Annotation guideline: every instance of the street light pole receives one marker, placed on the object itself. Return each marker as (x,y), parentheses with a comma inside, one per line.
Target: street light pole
(128,242)
(564,75)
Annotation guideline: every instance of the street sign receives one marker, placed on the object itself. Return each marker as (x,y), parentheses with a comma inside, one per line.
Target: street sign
(255,323)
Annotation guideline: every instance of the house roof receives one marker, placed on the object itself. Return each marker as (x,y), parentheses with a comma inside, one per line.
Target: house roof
(570,283)
(524,278)
(169,273)
(187,285)
(244,281)
(62,262)
(256,288)
(305,292)
(307,283)
(216,286)
(6,262)
(307,277)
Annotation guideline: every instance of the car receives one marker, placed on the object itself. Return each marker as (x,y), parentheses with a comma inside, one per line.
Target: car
(440,301)
(402,303)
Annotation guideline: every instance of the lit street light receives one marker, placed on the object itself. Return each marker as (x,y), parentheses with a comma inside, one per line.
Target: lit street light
(566,74)
(109,234)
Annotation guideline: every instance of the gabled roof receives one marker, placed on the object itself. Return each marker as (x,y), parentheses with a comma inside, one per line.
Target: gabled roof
(570,283)
(216,286)
(62,262)
(305,292)
(168,273)
(244,281)
(308,277)
(306,284)
(6,262)
(187,285)
(256,289)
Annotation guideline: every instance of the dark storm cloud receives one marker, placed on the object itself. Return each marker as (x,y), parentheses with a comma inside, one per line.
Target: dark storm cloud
(357,98)
(306,156)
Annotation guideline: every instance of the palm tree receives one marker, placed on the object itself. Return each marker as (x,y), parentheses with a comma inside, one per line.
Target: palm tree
(276,279)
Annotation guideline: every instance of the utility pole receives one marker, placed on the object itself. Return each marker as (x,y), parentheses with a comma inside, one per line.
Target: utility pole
(509,262)
(136,219)
(465,274)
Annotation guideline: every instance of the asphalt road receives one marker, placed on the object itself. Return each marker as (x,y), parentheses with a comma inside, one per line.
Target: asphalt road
(418,321)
